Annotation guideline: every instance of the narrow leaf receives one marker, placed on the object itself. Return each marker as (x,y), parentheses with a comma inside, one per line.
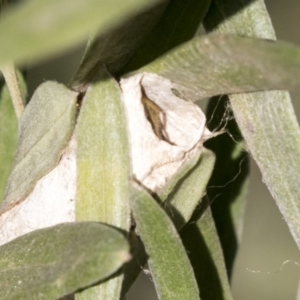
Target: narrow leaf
(8,132)
(180,195)
(116,47)
(219,64)
(170,267)
(238,18)
(202,244)
(178,24)
(52,262)
(180,174)
(274,123)
(8,137)
(45,128)
(103,167)
(35,29)
(267,120)
(189,190)
(228,184)
(103,156)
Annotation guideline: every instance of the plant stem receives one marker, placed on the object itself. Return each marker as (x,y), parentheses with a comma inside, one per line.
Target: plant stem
(11,79)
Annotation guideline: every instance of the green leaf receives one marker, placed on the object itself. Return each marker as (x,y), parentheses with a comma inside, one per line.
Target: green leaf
(45,128)
(170,267)
(267,120)
(103,156)
(202,244)
(189,189)
(52,262)
(239,18)
(180,195)
(219,64)
(228,184)
(8,133)
(181,173)
(116,47)
(35,29)
(103,167)
(8,138)
(272,134)
(178,24)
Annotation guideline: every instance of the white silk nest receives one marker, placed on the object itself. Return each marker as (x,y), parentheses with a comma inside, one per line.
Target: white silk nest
(154,159)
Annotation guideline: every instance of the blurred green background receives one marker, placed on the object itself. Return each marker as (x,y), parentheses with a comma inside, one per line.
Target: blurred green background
(268,262)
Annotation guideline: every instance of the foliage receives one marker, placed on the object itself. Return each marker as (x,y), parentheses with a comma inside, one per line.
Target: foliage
(175,228)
